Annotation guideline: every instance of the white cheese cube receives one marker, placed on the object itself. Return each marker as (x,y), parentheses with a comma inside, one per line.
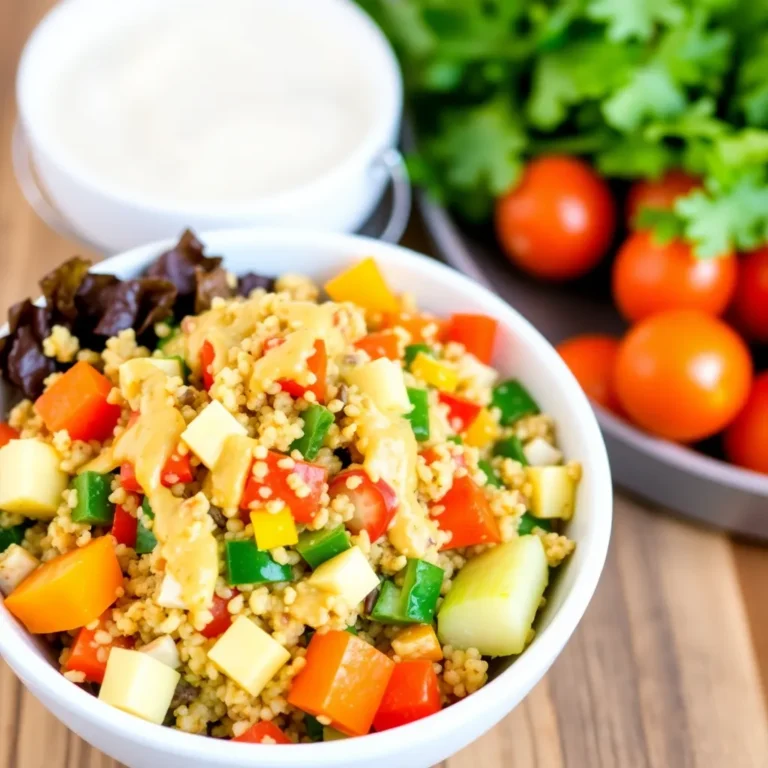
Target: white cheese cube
(31,481)
(133,372)
(15,565)
(229,476)
(382,380)
(206,434)
(138,684)
(164,650)
(539,453)
(170,594)
(248,655)
(553,492)
(349,575)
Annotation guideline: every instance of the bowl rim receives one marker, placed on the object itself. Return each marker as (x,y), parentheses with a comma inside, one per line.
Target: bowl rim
(381,135)
(521,675)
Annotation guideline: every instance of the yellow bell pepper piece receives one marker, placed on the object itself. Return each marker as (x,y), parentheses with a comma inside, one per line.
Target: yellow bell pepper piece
(482,431)
(435,373)
(364,285)
(274,530)
(417,643)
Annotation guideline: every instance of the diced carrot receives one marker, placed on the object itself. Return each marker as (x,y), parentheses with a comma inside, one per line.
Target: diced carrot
(461,412)
(381,344)
(77,402)
(125,527)
(89,657)
(7,433)
(207,356)
(422,328)
(476,332)
(464,511)
(263,732)
(303,508)
(412,694)
(222,618)
(344,680)
(69,591)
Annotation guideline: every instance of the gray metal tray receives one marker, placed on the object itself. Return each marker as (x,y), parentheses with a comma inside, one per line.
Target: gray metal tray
(684,480)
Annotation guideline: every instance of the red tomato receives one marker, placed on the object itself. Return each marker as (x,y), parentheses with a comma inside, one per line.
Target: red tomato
(746,440)
(461,412)
(7,433)
(682,375)
(592,358)
(659,194)
(559,221)
(412,694)
(375,503)
(124,527)
(750,300)
(649,277)
(222,618)
(207,356)
(263,732)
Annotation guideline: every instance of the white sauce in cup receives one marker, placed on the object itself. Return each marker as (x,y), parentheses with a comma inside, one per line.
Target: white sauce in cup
(213,100)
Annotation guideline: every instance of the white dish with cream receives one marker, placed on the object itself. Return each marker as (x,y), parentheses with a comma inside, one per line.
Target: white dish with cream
(143,118)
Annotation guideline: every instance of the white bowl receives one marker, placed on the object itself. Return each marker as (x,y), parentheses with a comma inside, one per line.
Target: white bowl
(520,351)
(112,219)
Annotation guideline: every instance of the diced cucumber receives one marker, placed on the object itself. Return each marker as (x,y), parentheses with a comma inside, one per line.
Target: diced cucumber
(494,599)
(553,492)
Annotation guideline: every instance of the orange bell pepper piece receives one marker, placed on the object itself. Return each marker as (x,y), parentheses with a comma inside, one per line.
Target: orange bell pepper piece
(77,402)
(422,328)
(7,433)
(476,332)
(381,344)
(364,285)
(70,591)
(344,680)
(464,511)
(264,732)
(413,693)
(89,657)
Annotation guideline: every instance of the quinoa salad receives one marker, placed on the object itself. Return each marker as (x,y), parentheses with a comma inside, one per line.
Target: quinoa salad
(267,510)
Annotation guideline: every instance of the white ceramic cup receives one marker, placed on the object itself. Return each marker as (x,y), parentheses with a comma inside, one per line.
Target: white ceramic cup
(521,352)
(93,211)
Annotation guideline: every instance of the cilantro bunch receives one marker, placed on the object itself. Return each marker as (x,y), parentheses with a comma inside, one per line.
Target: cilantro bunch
(636,86)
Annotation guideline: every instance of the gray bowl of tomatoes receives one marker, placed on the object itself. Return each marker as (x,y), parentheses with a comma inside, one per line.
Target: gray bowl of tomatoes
(672,349)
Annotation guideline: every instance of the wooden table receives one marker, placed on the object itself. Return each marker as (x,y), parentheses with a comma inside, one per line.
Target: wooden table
(668,669)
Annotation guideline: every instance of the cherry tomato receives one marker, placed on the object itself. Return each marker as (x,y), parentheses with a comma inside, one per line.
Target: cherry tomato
(375,503)
(750,300)
(650,277)
(659,194)
(592,358)
(746,440)
(559,221)
(682,375)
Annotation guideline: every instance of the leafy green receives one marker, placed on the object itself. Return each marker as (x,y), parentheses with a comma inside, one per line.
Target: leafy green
(627,19)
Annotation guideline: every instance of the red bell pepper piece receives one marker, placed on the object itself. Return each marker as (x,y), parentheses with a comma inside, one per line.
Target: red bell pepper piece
(124,527)
(317,364)
(303,508)
(344,680)
(476,332)
(381,344)
(264,732)
(77,402)
(89,657)
(413,693)
(207,356)
(467,515)
(222,618)
(431,456)
(461,412)
(7,433)
(178,469)
(375,503)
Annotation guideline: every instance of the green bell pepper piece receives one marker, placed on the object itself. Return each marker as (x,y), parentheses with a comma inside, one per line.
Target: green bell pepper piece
(455,439)
(492,477)
(146,541)
(8,536)
(182,364)
(172,336)
(416,601)
(419,415)
(511,448)
(412,350)
(528,522)
(314,728)
(513,400)
(247,564)
(93,504)
(318,546)
(352,631)
(317,422)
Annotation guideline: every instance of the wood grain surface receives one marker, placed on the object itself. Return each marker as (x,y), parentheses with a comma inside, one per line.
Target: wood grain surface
(667,670)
